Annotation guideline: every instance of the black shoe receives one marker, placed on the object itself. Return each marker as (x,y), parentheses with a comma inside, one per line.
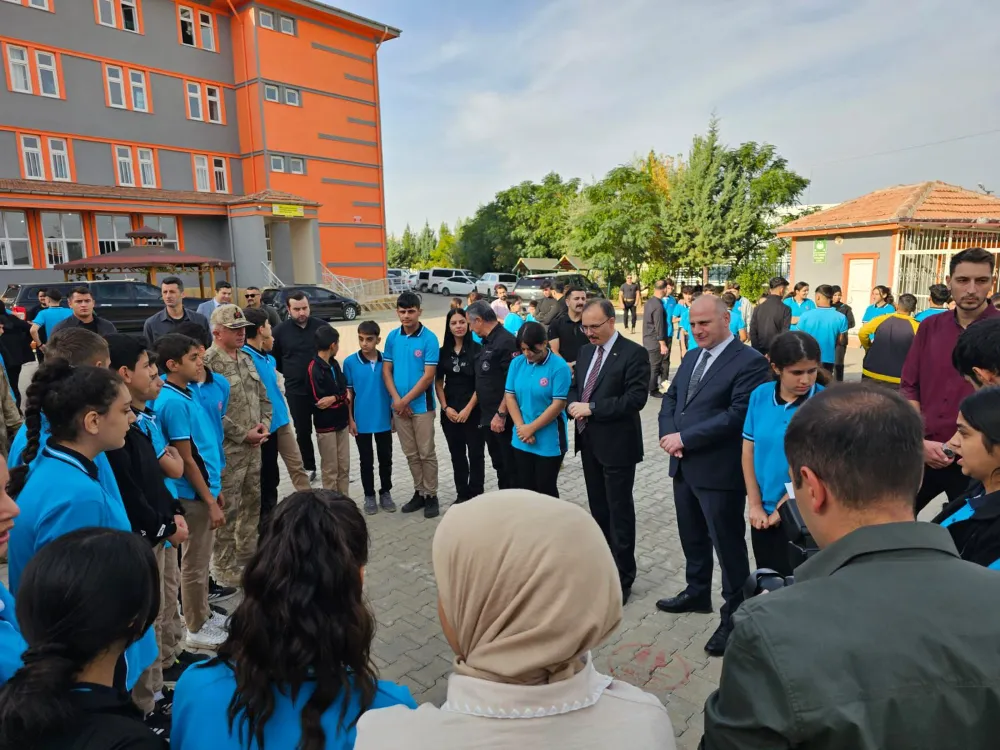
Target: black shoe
(415,504)
(173,673)
(431,507)
(716,645)
(218,610)
(626,595)
(160,718)
(188,658)
(655,394)
(461,499)
(371,505)
(312,475)
(684,602)
(385,501)
(220,593)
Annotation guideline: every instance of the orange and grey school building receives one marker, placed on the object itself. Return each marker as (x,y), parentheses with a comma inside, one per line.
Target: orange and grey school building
(244,131)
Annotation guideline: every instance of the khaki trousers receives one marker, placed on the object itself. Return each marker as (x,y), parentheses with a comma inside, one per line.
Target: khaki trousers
(335,460)
(195,559)
(236,541)
(171,627)
(288,448)
(416,437)
(151,681)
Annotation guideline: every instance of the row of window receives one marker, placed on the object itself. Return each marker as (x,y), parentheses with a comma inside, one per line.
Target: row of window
(40,4)
(286,25)
(46,73)
(295,164)
(64,236)
(275,93)
(119,14)
(135,166)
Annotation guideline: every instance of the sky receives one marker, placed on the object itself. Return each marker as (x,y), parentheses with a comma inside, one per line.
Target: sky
(478,95)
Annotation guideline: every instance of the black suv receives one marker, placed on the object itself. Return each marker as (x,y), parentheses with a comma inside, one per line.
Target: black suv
(530,287)
(125,303)
(323,303)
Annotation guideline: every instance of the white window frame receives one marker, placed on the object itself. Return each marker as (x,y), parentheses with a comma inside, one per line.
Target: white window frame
(120,81)
(202,175)
(261,15)
(220,174)
(36,152)
(186,15)
(39,4)
(281,163)
(156,222)
(6,242)
(62,151)
(60,243)
(202,27)
(140,86)
(297,96)
(108,5)
(135,13)
(269,87)
(114,242)
(50,67)
(125,166)
(217,99)
(147,161)
(281,25)
(196,87)
(292,161)
(25,64)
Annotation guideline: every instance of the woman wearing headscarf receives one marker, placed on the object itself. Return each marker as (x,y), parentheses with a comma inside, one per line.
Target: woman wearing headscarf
(526,588)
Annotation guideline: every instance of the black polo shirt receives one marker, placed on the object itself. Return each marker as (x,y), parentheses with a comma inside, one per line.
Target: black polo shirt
(458,370)
(499,348)
(570,335)
(294,348)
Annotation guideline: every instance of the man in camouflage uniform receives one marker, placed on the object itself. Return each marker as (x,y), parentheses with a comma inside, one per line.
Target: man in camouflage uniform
(244,428)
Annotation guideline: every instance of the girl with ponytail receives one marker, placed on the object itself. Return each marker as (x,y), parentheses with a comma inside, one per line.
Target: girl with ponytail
(296,669)
(882,303)
(57,488)
(83,599)
(11,643)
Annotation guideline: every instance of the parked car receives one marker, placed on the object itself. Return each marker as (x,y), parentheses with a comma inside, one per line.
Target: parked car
(324,303)
(530,287)
(430,280)
(411,281)
(460,285)
(125,302)
(397,280)
(486,284)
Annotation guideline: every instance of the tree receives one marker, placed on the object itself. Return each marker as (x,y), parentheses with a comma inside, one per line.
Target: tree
(485,241)
(407,249)
(616,223)
(425,243)
(538,214)
(394,252)
(445,252)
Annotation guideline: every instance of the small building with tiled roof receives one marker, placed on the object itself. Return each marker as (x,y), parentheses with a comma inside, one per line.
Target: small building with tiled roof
(901,237)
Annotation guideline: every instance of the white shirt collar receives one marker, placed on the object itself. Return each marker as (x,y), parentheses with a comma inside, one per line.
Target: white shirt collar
(716,350)
(606,346)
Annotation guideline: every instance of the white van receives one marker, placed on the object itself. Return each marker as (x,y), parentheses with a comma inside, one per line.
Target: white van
(486,285)
(430,281)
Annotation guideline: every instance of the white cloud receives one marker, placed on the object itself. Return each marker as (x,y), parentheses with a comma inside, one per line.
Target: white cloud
(581,85)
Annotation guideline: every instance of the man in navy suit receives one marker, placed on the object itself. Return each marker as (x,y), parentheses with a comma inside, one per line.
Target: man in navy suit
(701,424)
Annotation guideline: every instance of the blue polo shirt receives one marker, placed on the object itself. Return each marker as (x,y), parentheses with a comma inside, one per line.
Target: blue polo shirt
(766,421)
(267,368)
(874,311)
(204,692)
(49,317)
(12,644)
(183,418)
(409,355)
(736,323)
(372,402)
(824,324)
(62,494)
(105,474)
(930,311)
(669,303)
(513,323)
(213,395)
(685,322)
(798,308)
(535,387)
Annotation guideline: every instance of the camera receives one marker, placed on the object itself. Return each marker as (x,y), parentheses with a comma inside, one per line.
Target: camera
(801,546)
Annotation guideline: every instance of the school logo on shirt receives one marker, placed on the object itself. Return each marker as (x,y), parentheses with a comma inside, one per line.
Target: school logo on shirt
(486,365)
(418,352)
(543,382)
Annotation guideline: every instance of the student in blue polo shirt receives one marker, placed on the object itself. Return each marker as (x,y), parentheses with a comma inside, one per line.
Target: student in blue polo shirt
(798,302)
(371,416)
(882,304)
(48,318)
(737,326)
(795,359)
(537,387)
(89,411)
(12,644)
(827,325)
(682,316)
(939,295)
(513,321)
(669,307)
(408,368)
(188,428)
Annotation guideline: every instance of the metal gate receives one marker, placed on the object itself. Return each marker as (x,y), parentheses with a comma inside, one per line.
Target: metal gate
(924,254)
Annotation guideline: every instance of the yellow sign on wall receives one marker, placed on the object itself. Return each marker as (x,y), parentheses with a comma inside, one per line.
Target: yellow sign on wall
(284,209)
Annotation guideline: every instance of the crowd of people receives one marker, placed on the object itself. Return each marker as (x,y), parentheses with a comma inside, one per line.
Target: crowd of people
(143,489)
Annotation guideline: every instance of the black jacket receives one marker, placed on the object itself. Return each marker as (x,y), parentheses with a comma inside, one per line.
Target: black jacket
(327,379)
(771,319)
(492,364)
(614,429)
(15,344)
(654,324)
(148,503)
(110,722)
(711,424)
(976,536)
(294,348)
(99,325)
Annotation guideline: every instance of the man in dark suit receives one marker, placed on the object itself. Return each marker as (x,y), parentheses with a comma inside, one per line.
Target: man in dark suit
(610,387)
(701,424)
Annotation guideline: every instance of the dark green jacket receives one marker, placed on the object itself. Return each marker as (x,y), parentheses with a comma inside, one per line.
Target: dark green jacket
(887,640)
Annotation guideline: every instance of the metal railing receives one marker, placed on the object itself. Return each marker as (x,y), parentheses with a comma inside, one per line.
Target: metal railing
(270,279)
(363,290)
(924,255)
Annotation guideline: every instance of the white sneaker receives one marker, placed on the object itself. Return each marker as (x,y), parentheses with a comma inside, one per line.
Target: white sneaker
(220,622)
(210,636)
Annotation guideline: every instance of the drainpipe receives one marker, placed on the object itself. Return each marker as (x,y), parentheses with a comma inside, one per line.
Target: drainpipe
(378,137)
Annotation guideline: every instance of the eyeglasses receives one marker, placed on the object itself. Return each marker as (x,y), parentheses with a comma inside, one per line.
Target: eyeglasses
(593,329)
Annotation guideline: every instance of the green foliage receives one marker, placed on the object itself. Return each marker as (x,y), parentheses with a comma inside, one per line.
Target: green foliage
(444,254)
(754,273)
